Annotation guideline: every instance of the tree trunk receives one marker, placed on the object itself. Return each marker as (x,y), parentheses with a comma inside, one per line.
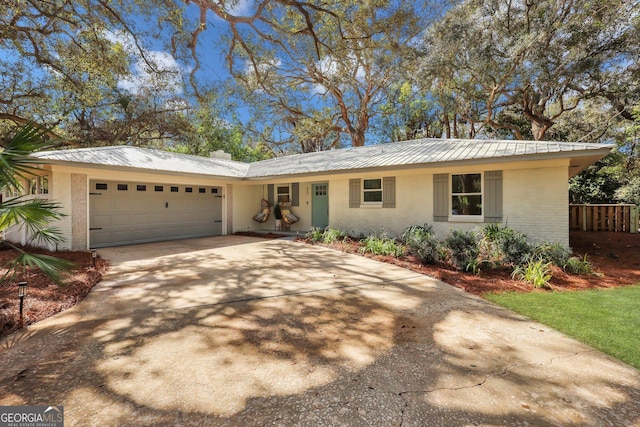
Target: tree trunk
(447,125)
(357,138)
(456,135)
(539,130)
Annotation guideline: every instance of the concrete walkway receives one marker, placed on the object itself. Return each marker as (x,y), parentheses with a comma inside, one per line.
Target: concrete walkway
(241,331)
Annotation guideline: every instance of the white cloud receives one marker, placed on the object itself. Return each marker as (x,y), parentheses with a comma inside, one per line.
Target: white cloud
(240,7)
(160,70)
(151,68)
(263,67)
(328,66)
(331,68)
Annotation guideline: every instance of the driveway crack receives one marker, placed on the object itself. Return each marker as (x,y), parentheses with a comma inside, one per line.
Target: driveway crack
(504,371)
(402,411)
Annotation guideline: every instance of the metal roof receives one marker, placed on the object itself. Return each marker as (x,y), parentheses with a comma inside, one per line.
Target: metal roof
(422,152)
(155,160)
(415,153)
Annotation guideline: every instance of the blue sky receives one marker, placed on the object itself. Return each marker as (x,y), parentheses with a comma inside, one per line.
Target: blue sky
(211,51)
(210,54)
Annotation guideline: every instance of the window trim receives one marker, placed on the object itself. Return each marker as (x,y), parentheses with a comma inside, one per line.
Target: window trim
(380,190)
(324,189)
(277,194)
(33,186)
(466,218)
(43,184)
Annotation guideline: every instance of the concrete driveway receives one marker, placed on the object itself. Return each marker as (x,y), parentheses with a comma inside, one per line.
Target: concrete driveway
(240,331)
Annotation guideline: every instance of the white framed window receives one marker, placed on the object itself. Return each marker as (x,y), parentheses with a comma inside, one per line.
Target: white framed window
(372,191)
(320,189)
(43,184)
(33,185)
(283,193)
(466,196)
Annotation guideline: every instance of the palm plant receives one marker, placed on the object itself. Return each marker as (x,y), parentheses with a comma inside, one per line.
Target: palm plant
(32,213)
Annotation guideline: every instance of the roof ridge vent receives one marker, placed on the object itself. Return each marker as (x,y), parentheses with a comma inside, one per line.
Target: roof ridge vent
(220,154)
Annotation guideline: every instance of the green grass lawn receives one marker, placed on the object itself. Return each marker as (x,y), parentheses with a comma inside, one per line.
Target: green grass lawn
(607,319)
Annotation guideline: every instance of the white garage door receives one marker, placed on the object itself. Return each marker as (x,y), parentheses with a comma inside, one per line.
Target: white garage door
(122,213)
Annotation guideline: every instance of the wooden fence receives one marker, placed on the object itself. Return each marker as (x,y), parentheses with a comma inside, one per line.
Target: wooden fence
(621,218)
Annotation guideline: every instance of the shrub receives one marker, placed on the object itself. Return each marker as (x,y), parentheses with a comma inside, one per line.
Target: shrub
(315,234)
(577,265)
(555,253)
(413,230)
(515,248)
(463,249)
(474,266)
(332,235)
(328,235)
(492,230)
(536,272)
(422,243)
(382,245)
(500,245)
(488,251)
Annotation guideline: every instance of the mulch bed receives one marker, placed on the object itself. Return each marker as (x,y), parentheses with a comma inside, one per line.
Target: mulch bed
(45,298)
(615,258)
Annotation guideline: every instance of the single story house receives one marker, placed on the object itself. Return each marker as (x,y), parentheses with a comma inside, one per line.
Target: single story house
(124,195)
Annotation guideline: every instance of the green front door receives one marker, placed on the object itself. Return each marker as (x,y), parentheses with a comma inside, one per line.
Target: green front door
(320,205)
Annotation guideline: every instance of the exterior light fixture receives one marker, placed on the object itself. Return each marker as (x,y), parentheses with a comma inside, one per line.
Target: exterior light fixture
(22,291)
(94,255)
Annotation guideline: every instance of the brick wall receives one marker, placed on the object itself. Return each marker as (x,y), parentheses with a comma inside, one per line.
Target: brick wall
(535,202)
(60,190)
(79,209)
(413,206)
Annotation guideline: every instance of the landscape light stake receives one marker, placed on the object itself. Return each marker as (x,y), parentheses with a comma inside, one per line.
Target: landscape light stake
(94,255)
(22,291)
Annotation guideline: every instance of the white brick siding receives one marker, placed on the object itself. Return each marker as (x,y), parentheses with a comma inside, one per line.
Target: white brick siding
(536,202)
(60,190)
(79,211)
(413,206)
(246,203)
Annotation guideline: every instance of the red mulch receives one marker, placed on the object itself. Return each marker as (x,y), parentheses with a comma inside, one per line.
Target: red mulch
(615,258)
(44,298)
